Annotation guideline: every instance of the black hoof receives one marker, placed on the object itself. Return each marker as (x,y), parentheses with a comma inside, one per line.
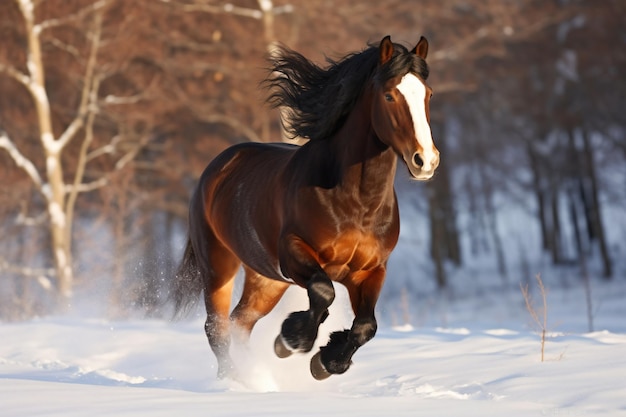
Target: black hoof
(281,350)
(299,331)
(318,370)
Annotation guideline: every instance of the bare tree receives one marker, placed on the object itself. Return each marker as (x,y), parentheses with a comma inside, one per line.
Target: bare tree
(61,178)
(58,196)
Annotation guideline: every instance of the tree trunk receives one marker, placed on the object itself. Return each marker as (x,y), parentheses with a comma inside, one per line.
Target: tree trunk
(444,234)
(492,222)
(554,237)
(437,242)
(54,190)
(582,253)
(594,212)
(538,189)
(59,206)
(61,244)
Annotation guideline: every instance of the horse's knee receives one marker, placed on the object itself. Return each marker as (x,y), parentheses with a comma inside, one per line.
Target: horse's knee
(321,291)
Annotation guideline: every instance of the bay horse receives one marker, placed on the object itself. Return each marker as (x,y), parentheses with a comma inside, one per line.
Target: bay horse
(313,214)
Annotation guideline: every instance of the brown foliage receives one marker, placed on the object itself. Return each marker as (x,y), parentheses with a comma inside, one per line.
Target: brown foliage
(178,82)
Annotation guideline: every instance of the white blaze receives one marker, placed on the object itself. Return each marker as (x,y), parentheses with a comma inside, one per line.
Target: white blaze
(414,92)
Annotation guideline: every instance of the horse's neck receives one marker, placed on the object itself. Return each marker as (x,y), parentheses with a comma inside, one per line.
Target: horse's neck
(367,166)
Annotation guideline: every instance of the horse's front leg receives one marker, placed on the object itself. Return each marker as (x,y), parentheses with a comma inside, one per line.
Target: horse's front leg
(299,330)
(336,357)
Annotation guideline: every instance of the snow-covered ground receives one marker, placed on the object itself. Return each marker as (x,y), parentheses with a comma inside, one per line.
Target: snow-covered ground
(485,361)
(472,350)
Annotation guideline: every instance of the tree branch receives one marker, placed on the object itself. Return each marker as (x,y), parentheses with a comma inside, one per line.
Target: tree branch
(107,149)
(86,187)
(224,8)
(88,85)
(20,160)
(89,95)
(494,31)
(111,99)
(131,154)
(40,274)
(23,220)
(50,23)
(231,122)
(207,116)
(16,75)
(65,47)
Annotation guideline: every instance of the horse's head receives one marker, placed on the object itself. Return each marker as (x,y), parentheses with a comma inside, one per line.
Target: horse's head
(400,108)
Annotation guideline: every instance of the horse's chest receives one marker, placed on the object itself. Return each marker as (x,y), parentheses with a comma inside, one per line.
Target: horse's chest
(352,251)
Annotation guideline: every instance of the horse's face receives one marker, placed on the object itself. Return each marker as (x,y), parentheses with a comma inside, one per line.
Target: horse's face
(401,115)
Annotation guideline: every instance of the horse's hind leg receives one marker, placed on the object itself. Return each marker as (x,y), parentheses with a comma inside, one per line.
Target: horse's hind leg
(260,295)
(336,356)
(221,270)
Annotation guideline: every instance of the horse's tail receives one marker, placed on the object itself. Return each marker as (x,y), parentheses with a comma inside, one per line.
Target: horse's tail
(187,285)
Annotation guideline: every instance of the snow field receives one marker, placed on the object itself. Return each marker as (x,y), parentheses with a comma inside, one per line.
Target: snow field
(76,366)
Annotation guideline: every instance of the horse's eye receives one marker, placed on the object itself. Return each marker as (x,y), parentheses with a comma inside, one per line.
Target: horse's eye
(388,97)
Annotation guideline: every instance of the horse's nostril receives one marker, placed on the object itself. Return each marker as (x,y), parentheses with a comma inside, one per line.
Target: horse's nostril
(417,159)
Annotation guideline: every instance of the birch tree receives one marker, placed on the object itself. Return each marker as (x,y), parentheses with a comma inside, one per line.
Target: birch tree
(58,187)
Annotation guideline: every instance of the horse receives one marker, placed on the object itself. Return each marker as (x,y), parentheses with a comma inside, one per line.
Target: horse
(314,214)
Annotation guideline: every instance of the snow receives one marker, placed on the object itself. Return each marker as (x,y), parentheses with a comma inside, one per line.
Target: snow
(57,215)
(20,160)
(27,7)
(482,362)
(467,351)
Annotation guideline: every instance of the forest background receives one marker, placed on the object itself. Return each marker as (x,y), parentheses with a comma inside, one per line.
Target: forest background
(110,110)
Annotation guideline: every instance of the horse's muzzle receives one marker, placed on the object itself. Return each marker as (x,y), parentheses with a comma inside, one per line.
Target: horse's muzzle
(422,169)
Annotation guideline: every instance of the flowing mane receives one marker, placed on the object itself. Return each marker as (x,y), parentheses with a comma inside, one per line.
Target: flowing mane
(318,100)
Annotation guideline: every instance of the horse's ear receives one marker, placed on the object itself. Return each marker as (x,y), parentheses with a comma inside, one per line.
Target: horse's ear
(385,50)
(421,49)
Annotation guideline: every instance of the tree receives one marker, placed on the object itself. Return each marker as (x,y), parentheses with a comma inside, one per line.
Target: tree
(65,133)
(59,197)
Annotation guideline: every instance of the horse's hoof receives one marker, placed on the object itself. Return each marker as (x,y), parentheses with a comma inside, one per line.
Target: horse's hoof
(318,370)
(281,350)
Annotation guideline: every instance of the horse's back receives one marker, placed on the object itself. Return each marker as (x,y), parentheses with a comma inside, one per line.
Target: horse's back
(242,164)
(236,156)
(239,196)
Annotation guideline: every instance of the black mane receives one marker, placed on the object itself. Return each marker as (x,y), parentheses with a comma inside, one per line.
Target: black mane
(318,100)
